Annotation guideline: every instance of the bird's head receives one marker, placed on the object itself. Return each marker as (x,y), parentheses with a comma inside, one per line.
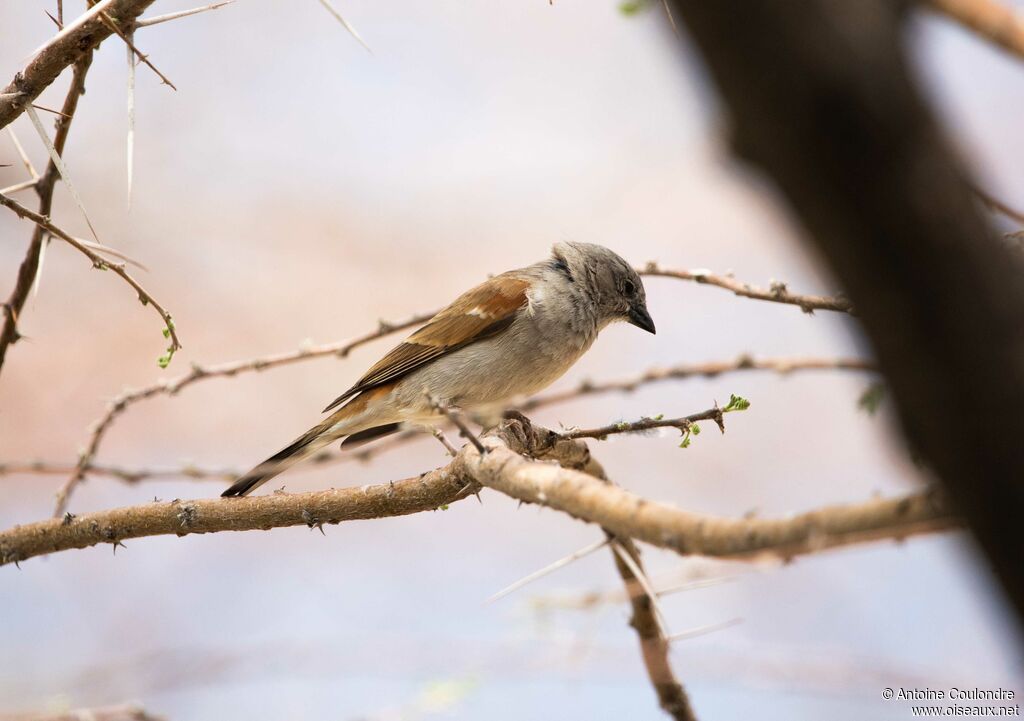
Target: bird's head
(608,281)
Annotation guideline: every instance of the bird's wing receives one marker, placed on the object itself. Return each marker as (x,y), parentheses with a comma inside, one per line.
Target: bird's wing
(479,313)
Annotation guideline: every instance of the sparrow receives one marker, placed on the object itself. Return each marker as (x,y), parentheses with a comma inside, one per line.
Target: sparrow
(507,338)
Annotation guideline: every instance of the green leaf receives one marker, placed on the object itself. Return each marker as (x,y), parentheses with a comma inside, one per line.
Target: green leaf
(686,442)
(871,399)
(736,403)
(633,7)
(695,429)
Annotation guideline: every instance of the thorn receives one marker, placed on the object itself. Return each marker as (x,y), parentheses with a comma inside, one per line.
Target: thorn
(560,563)
(345,24)
(702,630)
(115,544)
(68,518)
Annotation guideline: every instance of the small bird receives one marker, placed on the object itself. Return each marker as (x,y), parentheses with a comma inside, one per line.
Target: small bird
(510,336)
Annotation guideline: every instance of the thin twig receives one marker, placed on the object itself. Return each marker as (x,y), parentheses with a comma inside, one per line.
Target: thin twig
(223,370)
(28,271)
(686,424)
(782,366)
(456,420)
(712,369)
(98,262)
(777,293)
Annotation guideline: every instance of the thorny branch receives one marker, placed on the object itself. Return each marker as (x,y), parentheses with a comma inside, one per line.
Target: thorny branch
(223,370)
(504,469)
(686,424)
(778,294)
(98,262)
(44,189)
(64,49)
(586,388)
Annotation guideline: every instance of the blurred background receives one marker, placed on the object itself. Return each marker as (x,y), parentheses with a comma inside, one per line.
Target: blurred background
(296,188)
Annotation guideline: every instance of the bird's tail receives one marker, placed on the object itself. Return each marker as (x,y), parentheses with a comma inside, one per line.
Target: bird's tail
(301,448)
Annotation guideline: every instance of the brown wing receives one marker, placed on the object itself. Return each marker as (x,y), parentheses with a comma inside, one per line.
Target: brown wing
(476,314)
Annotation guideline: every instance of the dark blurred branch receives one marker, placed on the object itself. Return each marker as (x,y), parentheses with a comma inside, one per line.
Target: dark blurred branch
(993,21)
(44,189)
(820,96)
(65,48)
(504,468)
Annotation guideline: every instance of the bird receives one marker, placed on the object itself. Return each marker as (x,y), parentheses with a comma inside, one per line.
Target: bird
(507,338)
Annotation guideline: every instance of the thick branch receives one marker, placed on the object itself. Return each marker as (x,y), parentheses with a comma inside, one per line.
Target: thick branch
(629,516)
(504,469)
(424,493)
(66,47)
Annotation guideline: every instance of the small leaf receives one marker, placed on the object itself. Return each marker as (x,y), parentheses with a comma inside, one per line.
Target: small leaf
(685,443)
(736,403)
(871,399)
(633,7)
(695,429)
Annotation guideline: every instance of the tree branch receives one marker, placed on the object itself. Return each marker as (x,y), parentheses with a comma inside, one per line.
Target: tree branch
(44,189)
(654,646)
(100,263)
(783,366)
(225,370)
(504,469)
(777,293)
(65,48)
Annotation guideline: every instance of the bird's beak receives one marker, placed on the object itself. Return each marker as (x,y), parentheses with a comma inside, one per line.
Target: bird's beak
(639,317)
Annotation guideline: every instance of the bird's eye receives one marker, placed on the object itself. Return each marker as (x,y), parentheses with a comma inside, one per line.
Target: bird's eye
(628,288)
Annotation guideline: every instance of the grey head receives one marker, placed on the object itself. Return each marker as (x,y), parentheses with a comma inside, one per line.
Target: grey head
(606,280)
